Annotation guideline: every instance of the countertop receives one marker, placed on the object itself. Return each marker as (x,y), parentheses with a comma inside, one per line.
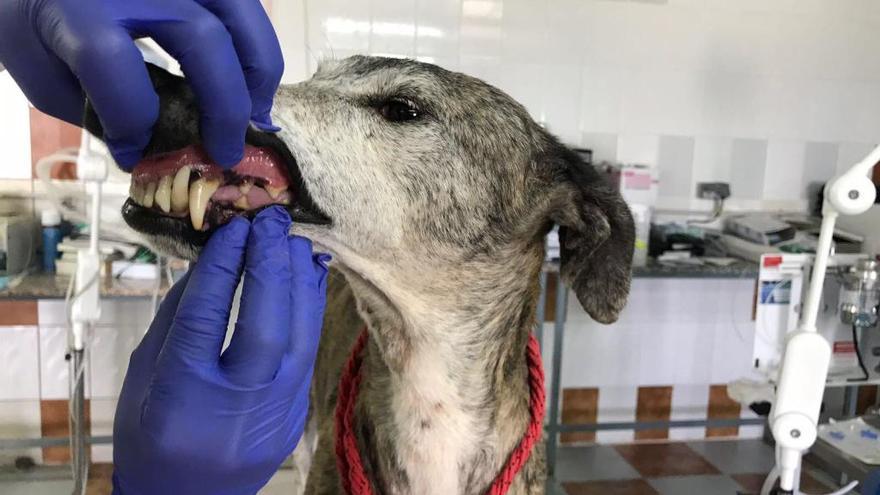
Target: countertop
(654,269)
(739,269)
(51,286)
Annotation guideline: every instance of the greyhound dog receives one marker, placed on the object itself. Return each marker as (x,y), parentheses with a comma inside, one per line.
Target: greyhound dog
(433,191)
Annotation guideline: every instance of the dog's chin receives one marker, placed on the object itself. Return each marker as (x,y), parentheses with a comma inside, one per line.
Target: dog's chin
(175,235)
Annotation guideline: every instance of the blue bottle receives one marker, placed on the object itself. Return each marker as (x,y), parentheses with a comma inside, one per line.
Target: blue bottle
(51,222)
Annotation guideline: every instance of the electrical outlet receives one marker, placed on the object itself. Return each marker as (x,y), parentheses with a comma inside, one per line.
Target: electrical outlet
(713,190)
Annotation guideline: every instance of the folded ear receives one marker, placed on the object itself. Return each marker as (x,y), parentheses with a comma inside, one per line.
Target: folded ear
(596,235)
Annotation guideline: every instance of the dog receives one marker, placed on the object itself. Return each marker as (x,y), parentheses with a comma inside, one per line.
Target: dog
(433,191)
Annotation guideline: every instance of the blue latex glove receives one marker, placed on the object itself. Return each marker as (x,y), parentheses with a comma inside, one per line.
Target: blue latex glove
(192,421)
(56,49)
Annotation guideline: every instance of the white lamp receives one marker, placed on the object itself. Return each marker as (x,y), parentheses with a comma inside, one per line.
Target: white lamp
(795,413)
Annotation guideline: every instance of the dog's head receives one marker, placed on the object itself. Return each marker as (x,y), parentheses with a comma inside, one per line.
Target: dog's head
(393,166)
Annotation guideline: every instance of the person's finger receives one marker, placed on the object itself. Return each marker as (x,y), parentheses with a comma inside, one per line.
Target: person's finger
(203,46)
(199,326)
(308,293)
(258,51)
(263,326)
(153,341)
(43,77)
(110,69)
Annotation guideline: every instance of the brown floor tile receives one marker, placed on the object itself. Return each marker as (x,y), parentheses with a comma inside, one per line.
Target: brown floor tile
(665,459)
(616,487)
(653,404)
(100,479)
(579,406)
(752,483)
(722,407)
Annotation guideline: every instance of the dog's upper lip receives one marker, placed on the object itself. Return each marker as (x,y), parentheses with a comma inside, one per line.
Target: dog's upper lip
(272,170)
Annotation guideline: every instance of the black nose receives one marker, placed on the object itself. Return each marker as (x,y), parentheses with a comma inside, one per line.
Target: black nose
(178,123)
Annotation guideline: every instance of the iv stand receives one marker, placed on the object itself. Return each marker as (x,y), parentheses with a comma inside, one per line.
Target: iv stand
(85,305)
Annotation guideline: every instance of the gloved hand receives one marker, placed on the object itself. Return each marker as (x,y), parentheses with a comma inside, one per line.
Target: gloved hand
(56,49)
(193,421)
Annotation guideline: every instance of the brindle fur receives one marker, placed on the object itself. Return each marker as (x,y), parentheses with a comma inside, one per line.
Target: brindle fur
(438,228)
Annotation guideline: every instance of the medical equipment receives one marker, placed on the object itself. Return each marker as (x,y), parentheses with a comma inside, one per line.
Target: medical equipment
(795,413)
(85,306)
(860,294)
(765,230)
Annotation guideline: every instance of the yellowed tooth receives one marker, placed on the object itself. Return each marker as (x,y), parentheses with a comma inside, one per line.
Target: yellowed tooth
(149,193)
(180,190)
(245,187)
(241,203)
(199,194)
(163,193)
(275,191)
(136,192)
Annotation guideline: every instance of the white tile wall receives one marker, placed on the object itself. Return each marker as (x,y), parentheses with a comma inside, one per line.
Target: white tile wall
(20,419)
(15,133)
(54,368)
(672,332)
(616,404)
(102,412)
(689,402)
(112,347)
(19,353)
(783,72)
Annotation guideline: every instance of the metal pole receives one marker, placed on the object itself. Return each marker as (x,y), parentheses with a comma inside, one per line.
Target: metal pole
(79,457)
(542,302)
(558,332)
(850,401)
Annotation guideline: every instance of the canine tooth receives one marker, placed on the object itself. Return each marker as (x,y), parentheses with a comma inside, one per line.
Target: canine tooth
(149,193)
(163,193)
(199,195)
(241,203)
(245,187)
(274,191)
(180,190)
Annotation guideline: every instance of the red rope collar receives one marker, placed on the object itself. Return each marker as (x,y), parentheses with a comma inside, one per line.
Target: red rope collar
(348,458)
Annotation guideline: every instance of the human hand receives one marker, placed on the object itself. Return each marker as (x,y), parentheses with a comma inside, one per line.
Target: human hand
(60,51)
(192,420)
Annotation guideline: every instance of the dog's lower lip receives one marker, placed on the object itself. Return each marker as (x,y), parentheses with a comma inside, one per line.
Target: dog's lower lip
(150,222)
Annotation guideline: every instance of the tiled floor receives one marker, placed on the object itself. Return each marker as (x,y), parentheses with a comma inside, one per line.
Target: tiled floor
(707,468)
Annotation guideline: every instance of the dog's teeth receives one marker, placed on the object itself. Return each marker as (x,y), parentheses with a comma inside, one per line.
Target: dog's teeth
(163,193)
(180,190)
(149,193)
(136,192)
(245,188)
(199,195)
(274,191)
(241,203)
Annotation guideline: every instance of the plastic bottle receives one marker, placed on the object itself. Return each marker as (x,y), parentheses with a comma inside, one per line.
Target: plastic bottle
(51,222)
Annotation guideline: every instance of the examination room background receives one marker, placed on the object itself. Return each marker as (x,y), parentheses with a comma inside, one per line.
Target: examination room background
(768,95)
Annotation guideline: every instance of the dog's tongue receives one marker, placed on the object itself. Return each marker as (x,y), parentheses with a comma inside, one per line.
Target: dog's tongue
(257,162)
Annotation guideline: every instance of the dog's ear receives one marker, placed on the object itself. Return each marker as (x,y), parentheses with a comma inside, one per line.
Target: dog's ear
(178,122)
(596,234)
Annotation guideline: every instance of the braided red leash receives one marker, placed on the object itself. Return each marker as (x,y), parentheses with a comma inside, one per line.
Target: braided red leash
(348,457)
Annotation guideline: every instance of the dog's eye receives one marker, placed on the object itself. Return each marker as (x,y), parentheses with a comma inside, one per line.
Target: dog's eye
(398,111)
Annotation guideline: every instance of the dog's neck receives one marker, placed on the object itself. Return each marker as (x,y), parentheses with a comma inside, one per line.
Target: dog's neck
(445,395)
